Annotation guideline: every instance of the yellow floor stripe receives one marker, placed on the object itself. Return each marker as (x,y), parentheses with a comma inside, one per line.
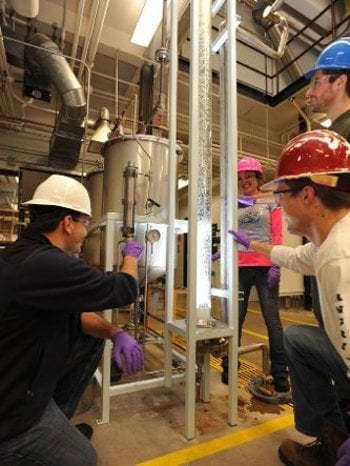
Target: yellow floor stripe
(211,447)
(225,442)
(254,334)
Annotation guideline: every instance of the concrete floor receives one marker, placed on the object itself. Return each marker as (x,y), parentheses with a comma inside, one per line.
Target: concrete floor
(148,427)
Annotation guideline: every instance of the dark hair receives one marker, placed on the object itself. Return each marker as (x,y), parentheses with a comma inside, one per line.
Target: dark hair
(335,73)
(334,198)
(45,218)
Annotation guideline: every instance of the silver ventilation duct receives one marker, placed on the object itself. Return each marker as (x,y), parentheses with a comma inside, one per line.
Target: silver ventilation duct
(67,137)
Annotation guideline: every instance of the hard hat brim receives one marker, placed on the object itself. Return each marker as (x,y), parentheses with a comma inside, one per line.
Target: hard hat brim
(271,185)
(45,202)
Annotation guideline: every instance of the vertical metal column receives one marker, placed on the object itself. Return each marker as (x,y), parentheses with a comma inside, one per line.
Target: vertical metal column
(172,185)
(106,360)
(199,256)
(231,158)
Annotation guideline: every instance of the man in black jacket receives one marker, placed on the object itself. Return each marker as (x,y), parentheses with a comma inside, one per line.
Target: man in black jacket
(51,340)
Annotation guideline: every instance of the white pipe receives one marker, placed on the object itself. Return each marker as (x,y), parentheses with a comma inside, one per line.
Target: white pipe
(97,30)
(250,39)
(6,72)
(172,175)
(216,7)
(76,36)
(304,116)
(88,36)
(117,83)
(272,8)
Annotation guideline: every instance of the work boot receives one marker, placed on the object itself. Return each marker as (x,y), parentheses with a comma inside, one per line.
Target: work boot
(85,429)
(281,384)
(224,365)
(321,452)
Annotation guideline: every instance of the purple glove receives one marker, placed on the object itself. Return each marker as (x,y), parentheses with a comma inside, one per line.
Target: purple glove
(344,454)
(240,237)
(273,276)
(245,201)
(216,256)
(125,345)
(133,249)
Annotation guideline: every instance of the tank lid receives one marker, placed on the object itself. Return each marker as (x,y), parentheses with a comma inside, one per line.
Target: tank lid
(139,137)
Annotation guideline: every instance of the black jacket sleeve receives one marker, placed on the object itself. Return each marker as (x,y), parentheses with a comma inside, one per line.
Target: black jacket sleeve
(52,279)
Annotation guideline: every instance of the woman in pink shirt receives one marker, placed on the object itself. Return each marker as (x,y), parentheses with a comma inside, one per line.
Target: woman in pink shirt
(261,219)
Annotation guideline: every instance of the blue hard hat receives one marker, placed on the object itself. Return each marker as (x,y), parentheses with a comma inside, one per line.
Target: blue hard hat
(335,56)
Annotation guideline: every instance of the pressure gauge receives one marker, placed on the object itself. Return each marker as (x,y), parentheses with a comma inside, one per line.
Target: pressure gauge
(153,235)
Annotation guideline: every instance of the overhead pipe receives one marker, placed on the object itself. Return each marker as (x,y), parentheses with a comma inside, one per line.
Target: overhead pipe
(162,57)
(77,29)
(301,112)
(96,34)
(253,40)
(100,11)
(272,8)
(67,138)
(279,40)
(88,35)
(7,95)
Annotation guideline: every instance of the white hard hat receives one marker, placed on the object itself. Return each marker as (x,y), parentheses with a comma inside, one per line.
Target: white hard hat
(62,191)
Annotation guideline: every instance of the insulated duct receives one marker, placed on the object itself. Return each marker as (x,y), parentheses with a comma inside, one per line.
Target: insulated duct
(67,137)
(146,98)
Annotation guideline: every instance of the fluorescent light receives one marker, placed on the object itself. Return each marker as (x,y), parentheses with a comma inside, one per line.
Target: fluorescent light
(148,22)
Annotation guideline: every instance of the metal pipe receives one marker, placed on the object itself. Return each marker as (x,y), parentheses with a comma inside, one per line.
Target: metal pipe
(216,7)
(251,39)
(272,8)
(302,114)
(5,68)
(88,35)
(162,58)
(77,30)
(96,33)
(200,160)
(172,177)
(129,201)
(256,347)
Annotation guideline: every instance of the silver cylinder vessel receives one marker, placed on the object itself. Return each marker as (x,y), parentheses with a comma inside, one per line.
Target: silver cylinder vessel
(149,155)
(92,245)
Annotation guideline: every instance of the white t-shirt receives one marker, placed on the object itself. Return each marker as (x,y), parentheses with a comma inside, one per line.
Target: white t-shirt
(330,263)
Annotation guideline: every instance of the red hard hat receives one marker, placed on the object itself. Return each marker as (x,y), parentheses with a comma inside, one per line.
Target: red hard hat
(312,154)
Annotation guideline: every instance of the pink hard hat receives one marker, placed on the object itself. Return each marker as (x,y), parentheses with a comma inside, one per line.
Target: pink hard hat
(249,164)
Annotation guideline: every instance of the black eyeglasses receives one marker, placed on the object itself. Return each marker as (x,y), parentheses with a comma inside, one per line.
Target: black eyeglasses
(278,194)
(84,221)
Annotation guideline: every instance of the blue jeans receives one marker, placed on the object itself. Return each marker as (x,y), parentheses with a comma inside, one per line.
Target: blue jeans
(269,303)
(53,440)
(315,369)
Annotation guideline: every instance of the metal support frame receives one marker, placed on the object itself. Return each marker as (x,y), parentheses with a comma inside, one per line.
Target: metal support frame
(199,260)
(109,223)
(199,304)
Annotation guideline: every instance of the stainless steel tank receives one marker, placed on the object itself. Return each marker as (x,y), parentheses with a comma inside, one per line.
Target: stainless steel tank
(149,154)
(92,246)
